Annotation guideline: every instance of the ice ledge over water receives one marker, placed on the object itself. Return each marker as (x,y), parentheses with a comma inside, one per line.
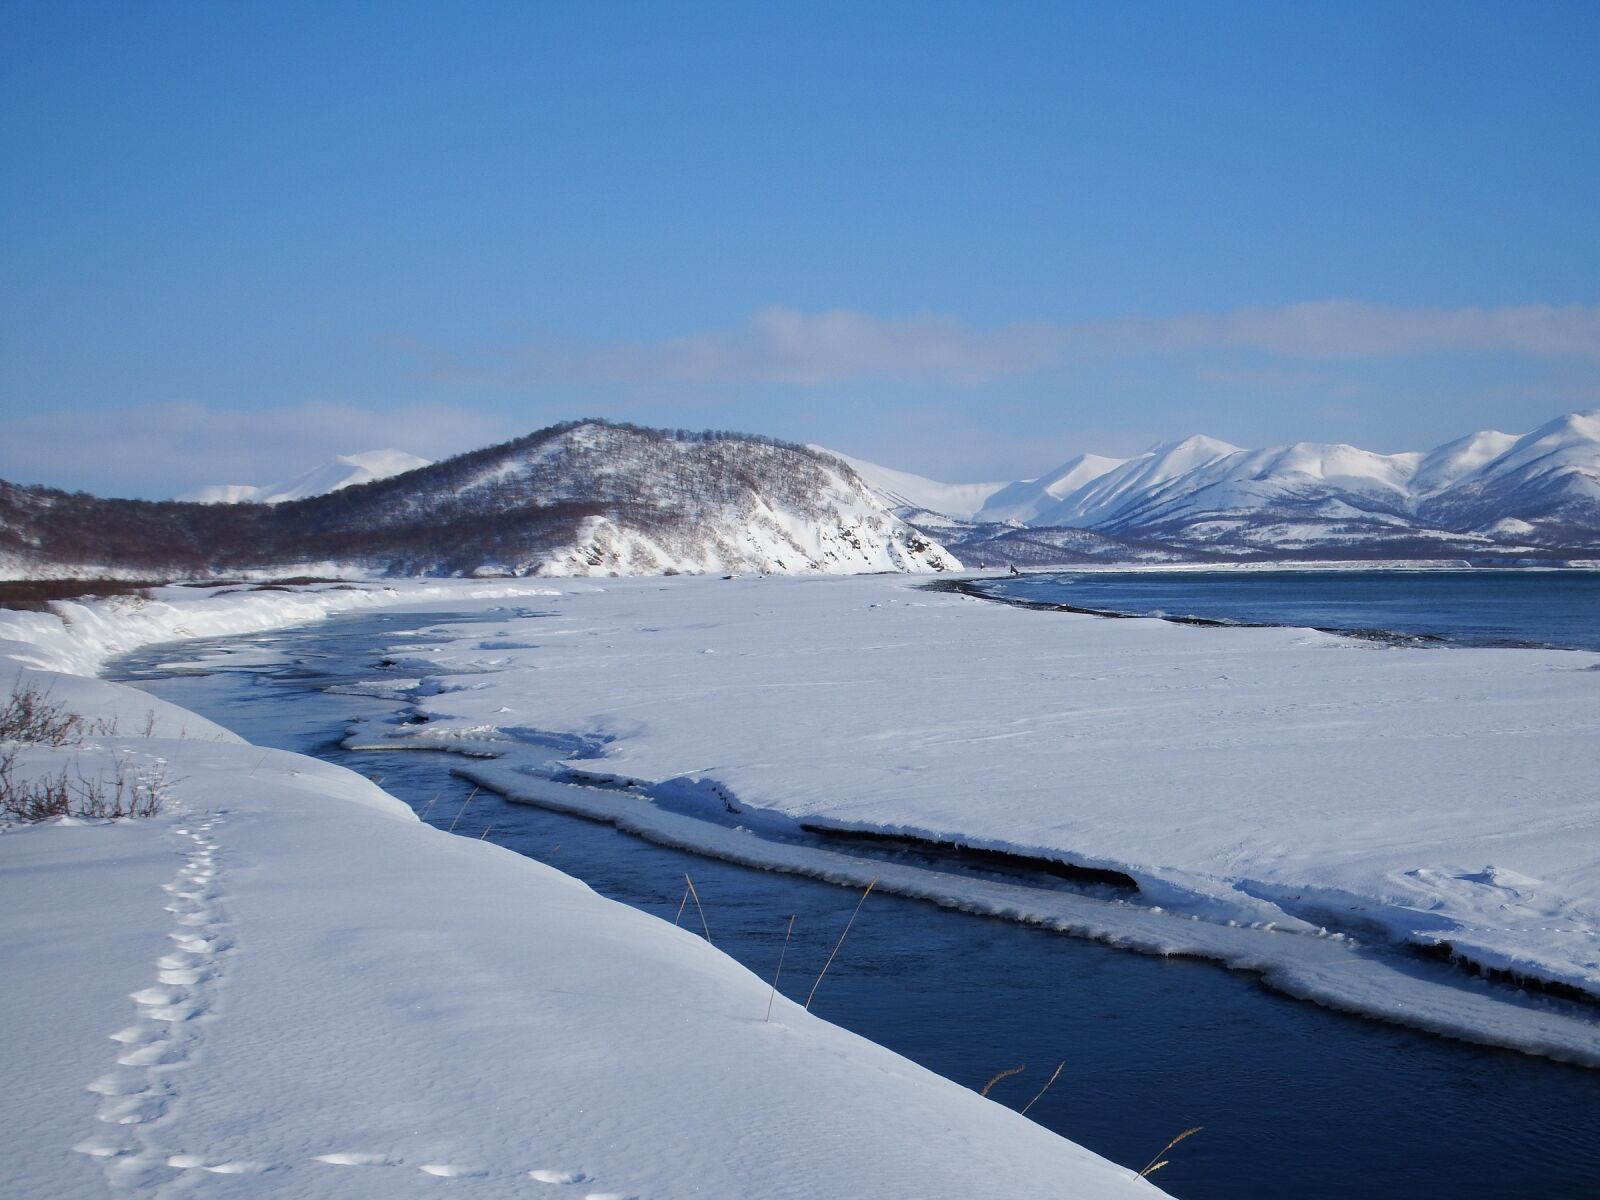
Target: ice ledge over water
(1255,776)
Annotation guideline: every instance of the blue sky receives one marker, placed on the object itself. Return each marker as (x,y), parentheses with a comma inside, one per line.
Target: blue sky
(967,240)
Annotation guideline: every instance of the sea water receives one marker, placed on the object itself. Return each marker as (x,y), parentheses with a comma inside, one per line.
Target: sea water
(1559,608)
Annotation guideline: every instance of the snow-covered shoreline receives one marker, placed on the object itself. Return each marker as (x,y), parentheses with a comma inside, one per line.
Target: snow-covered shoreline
(1304,926)
(78,636)
(286,985)
(1274,792)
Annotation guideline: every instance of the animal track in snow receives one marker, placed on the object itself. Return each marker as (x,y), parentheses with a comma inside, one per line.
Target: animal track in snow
(190,1162)
(353,1158)
(120,1084)
(161,1042)
(551,1175)
(548,1176)
(154,1054)
(106,1147)
(172,1015)
(133,1110)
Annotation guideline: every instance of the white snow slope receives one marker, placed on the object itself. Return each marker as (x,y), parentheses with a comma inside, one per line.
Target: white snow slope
(1199,489)
(902,489)
(286,986)
(1027,499)
(840,528)
(1287,801)
(342,471)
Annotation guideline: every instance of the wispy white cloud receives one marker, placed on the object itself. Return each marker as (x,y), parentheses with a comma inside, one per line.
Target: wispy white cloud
(1284,379)
(842,366)
(1352,329)
(784,346)
(161,450)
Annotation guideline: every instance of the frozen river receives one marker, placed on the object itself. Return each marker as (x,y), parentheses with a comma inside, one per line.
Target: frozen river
(1295,1100)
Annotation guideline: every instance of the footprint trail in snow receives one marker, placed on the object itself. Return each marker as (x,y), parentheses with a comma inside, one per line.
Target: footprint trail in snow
(171,1019)
(168,1030)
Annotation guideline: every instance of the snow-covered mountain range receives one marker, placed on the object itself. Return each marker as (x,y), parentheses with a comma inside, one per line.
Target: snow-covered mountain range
(586,498)
(1483,492)
(345,470)
(590,497)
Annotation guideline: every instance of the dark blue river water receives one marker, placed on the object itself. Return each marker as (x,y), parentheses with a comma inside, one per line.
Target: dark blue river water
(1469,607)
(1296,1101)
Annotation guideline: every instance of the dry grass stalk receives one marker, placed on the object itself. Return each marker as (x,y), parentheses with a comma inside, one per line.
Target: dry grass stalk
(779,972)
(1158,1162)
(461,810)
(121,792)
(428,807)
(706,929)
(839,943)
(485,832)
(1009,1071)
(1053,1076)
(29,716)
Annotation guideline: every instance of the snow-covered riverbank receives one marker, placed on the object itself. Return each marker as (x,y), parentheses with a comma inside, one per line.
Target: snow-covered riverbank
(1285,800)
(286,985)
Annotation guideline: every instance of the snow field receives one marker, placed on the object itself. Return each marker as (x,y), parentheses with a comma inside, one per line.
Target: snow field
(1283,798)
(285,985)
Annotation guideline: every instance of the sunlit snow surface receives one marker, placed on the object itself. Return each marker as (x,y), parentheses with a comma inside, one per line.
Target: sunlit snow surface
(345,470)
(1286,800)
(286,985)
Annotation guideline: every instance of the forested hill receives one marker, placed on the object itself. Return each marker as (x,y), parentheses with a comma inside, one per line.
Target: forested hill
(587,497)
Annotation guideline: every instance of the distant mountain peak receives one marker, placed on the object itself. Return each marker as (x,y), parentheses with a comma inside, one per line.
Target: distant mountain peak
(903,490)
(385,462)
(1487,492)
(341,471)
(1195,446)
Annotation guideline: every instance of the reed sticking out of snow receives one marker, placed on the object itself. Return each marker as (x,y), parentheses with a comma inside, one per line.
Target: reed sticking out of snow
(688,891)
(779,972)
(461,810)
(1156,1163)
(840,942)
(1046,1088)
(1017,1070)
